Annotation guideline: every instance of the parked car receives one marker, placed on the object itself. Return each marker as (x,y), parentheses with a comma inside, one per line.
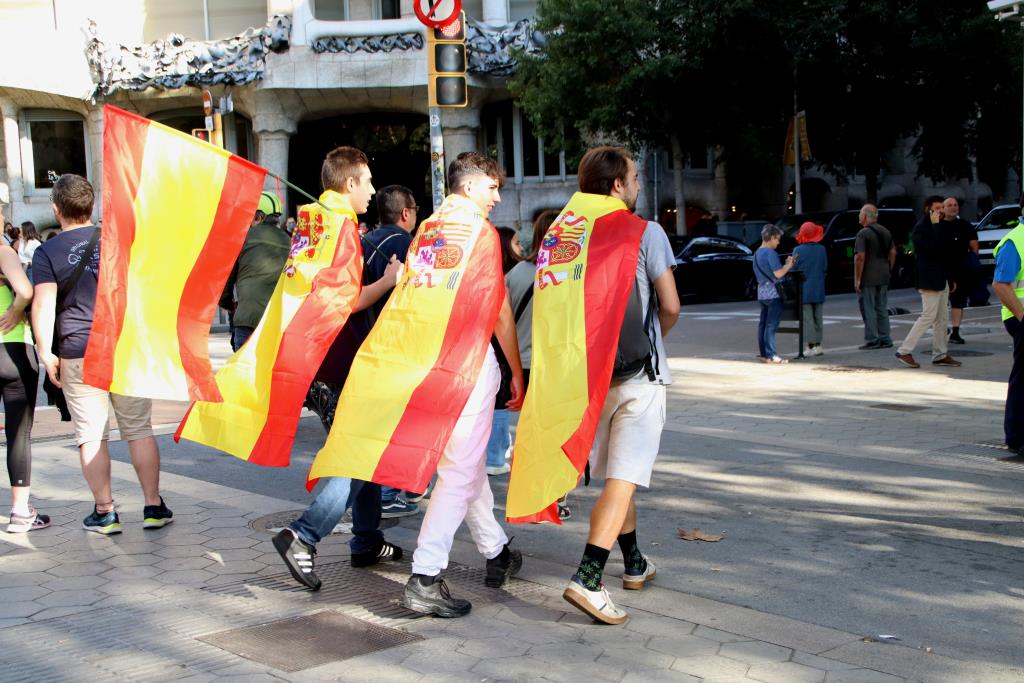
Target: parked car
(992,228)
(715,268)
(841,228)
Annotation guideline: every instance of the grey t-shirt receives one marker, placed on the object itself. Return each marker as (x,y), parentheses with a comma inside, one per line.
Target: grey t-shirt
(876,255)
(656,257)
(518,282)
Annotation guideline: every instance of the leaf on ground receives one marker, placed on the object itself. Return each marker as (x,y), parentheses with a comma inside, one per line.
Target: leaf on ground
(698,535)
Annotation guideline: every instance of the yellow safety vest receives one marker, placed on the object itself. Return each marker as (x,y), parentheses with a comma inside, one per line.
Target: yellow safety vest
(1017,237)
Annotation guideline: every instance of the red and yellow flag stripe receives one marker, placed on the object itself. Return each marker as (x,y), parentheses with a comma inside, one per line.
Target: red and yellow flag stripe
(585,272)
(416,370)
(175,214)
(265,381)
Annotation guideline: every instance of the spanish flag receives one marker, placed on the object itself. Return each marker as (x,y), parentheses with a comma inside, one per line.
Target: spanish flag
(586,267)
(417,368)
(175,214)
(265,382)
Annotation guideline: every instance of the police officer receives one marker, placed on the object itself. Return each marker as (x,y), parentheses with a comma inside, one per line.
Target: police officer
(1008,283)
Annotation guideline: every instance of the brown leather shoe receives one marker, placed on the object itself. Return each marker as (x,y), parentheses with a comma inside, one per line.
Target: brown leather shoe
(907,360)
(947,360)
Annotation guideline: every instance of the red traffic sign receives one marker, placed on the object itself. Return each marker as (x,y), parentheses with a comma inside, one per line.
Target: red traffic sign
(437,13)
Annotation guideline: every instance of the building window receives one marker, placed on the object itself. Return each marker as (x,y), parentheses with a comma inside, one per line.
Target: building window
(510,140)
(53,143)
(388,9)
(497,125)
(521,9)
(330,10)
(196,20)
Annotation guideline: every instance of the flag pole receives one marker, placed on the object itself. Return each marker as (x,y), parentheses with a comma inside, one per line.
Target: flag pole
(329,209)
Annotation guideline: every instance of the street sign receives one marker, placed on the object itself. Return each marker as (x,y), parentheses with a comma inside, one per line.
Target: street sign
(437,13)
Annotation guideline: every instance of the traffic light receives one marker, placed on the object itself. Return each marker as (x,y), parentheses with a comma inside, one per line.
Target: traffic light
(201,133)
(446,64)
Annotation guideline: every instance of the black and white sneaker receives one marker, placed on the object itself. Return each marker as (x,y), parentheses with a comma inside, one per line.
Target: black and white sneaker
(385,553)
(506,564)
(299,557)
(398,508)
(156,516)
(430,595)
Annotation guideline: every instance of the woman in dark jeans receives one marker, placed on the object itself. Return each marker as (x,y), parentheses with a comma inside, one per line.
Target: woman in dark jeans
(769,269)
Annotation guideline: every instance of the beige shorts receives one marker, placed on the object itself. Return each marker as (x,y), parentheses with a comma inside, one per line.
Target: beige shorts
(629,433)
(90,408)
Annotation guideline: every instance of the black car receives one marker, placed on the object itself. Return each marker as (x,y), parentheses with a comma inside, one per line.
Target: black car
(841,228)
(715,268)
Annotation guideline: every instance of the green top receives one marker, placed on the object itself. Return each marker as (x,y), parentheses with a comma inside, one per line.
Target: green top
(257,270)
(21,332)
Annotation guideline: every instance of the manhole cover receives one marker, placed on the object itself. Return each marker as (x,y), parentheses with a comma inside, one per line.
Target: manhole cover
(372,593)
(304,642)
(850,368)
(273,523)
(962,353)
(899,407)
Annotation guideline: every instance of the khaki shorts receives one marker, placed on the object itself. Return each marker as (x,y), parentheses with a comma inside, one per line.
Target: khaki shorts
(629,433)
(90,408)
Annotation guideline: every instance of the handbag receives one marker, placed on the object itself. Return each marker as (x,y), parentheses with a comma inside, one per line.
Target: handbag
(780,287)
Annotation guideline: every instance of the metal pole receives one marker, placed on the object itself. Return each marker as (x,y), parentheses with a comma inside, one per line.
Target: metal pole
(436,157)
(1022,122)
(206,17)
(798,203)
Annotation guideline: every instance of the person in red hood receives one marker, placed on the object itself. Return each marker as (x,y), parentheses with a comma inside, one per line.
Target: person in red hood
(812,261)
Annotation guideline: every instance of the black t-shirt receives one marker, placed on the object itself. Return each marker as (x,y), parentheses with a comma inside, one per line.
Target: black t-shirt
(960,235)
(389,240)
(55,261)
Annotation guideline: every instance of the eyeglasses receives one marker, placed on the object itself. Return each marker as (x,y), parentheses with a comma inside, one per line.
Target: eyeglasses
(414,209)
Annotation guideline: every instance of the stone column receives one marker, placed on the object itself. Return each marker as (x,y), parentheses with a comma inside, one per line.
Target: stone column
(496,12)
(14,191)
(461,132)
(273,133)
(94,140)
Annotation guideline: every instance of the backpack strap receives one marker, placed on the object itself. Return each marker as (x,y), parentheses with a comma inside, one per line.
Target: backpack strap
(883,246)
(521,308)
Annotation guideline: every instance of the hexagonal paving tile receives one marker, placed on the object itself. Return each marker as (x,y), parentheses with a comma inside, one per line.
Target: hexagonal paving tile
(755,652)
(658,625)
(231,554)
(683,646)
(187,577)
(132,573)
(22,594)
(720,636)
(659,677)
(713,667)
(560,653)
(634,658)
(184,563)
(73,569)
(130,587)
(68,598)
(436,662)
(12,610)
(236,567)
(233,542)
(785,672)
(74,583)
(181,551)
(860,676)
(490,648)
(57,612)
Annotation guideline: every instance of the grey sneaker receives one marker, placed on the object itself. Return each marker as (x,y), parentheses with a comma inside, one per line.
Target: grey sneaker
(20,524)
(433,597)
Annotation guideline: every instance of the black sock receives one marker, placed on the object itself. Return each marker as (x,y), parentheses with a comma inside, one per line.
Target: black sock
(631,555)
(592,567)
(425,580)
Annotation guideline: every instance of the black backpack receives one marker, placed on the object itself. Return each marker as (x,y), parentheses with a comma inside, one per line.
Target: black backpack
(636,351)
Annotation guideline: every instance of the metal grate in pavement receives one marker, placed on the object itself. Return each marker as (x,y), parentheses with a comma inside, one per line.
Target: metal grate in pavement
(983,451)
(311,640)
(850,368)
(372,594)
(899,407)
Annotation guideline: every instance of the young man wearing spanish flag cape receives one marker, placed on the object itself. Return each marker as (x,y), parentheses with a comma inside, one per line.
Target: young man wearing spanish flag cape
(428,375)
(604,297)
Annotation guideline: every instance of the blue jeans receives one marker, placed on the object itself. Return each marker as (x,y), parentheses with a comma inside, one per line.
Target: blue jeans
(499,441)
(388,494)
(326,510)
(771,314)
(240,335)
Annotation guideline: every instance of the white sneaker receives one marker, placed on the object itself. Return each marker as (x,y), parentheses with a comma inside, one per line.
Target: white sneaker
(818,351)
(596,604)
(501,469)
(634,582)
(809,350)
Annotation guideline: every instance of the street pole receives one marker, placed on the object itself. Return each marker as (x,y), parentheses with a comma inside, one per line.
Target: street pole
(798,204)
(436,157)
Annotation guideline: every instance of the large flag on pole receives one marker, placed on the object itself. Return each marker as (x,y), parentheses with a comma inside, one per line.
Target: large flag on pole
(586,267)
(416,370)
(175,214)
(264,383)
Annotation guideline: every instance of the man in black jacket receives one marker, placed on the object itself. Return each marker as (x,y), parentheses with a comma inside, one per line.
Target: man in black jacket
(932,246)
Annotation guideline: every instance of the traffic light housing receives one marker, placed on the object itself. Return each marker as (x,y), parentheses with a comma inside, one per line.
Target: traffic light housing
(203,134)
(446,64)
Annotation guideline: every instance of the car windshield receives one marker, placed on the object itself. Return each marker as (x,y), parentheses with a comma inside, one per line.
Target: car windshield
(1000,218)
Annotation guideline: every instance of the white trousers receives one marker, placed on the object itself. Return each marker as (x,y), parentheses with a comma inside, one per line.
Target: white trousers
(462,491)
(934,314)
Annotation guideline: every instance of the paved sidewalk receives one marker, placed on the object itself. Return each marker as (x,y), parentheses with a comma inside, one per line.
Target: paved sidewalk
(149,605)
